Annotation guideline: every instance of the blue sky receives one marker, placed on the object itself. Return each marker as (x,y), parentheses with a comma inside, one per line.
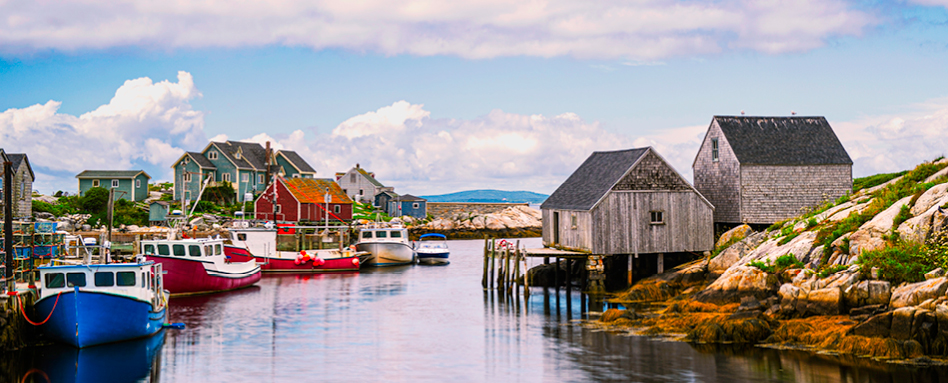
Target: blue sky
(438,97)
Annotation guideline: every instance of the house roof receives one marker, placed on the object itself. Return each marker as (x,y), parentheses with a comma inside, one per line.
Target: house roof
(388,193)
(198,158)
(17,159)
(230,151)
(593,179)
(409,197)
(369,177)
(111,174)
(783,140)
(253,153)
(313,190)
(297,161)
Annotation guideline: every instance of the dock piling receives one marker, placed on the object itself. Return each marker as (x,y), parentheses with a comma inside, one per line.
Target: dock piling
(484,276)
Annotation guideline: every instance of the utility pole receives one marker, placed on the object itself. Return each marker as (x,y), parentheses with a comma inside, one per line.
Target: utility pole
(8,221)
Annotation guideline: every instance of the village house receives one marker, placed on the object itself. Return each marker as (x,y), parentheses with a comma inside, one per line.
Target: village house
(23,178)
(761,170)
(409,205)
(361,185)
(129,185)
(303,200)
(629,202)
(241,164)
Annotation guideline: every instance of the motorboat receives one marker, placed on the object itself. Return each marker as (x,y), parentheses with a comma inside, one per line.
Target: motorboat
(387,244)
(294,248)
(432,249)
(199,266)
(91,304)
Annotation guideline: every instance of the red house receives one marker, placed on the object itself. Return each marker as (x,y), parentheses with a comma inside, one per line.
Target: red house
(303,199)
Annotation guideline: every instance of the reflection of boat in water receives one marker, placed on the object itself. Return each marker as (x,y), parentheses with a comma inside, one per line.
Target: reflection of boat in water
(128,361)
(290,248)
(195,266)
(91,304)
(432,249)
(388,245)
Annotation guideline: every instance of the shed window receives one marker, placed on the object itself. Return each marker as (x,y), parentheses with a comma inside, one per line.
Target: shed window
(573,220)
(361,192)
(259,178)
(277,208)
(95,183)
(76,279)
(55,280)
(114,183)
(714,149)
(125,278)
(138,184)
(657,217)
(352,178)
(415,205)
(245,177)
(104,279)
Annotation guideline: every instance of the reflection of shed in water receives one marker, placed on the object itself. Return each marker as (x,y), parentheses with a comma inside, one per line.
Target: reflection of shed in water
(629,202)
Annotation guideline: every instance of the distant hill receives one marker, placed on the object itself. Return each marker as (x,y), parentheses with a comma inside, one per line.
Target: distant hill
(489,196)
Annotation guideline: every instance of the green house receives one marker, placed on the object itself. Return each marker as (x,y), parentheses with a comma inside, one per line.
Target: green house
(131,185)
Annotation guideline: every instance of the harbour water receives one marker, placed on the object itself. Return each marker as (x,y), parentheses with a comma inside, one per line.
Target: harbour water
(417,323)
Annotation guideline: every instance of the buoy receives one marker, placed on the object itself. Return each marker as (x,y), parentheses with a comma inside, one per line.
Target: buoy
(297,262)
(355,261)
(318,261)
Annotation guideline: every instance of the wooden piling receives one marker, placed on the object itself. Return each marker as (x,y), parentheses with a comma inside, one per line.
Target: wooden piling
(493,249)
(484,276)
(507,271)
(526,278)
(516,272)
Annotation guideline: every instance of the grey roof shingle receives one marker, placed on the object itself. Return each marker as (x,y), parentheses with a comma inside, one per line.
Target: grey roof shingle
(409,197)
(18,158)
(202,161)
(253,153)
(593,179)
(783,140)
(369,177)
(111,174)
(229,151)
(297,161)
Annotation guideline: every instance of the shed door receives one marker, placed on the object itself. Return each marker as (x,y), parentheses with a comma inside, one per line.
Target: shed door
(556,228)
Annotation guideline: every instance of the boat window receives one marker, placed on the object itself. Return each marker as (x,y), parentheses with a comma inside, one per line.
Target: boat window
(396,234)
(149,280)
(178,250)
(55,280)
(194,250)
(76,279)
(208,249)
(125,278)
(143,280)
(381,234)
(149,249)
(104,279)
(163,250)
(241,237)
(217,249)
(366,234)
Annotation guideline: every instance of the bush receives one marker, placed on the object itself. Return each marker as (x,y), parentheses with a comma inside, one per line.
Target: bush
(783,262)
(96,200)
(831,270)
(904,262)
(875,180)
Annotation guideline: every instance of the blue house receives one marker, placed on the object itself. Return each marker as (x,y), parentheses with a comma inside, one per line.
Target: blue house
(241,164)
(130,185)
(408,205)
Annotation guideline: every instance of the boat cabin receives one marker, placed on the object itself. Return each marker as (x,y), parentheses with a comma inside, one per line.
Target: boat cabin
(142,281)
(186,247)
(289,238)
(388,234)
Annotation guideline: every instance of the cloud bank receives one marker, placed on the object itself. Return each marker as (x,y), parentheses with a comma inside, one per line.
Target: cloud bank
(642,30)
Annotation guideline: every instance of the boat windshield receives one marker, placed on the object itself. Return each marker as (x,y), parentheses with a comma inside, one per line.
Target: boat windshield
(381,234)
(366,234)
(396,234)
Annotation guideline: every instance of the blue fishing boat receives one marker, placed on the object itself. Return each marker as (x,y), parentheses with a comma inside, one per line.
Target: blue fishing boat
(432,249)
(89,304)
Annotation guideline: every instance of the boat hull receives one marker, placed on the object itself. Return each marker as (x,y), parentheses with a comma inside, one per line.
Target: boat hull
(192,276)
(89,318)
(432,258)
(387,253)
(288,265)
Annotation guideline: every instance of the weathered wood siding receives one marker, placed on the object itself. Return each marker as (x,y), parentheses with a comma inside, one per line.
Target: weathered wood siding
(623,218)
(773,193)
(578,237)
(720,181)
(289,206)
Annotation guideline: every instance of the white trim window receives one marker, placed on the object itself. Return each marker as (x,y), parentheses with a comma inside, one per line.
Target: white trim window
(237,155)
(225,177)
(115,183)
(95,183)
(415,205)
(259,178)
(278,209)
(187,177)
(187,160)
(212,155)
(714,150)
(244,177)
(138,184)
(657,217)
(336,209)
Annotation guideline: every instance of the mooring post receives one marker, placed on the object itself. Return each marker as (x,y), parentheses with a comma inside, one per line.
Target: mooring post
(661,263)
(526,278)
(569,282)
(484,276)
(507,270)
(516,268)
(493,248)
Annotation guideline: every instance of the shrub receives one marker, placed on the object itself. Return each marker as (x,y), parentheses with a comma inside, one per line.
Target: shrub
(763,266)
(904,262)
(783,262)
(724,246)
(831,270)
(811,223)
(787,239)
(904,214)
(777,225)
(875,180)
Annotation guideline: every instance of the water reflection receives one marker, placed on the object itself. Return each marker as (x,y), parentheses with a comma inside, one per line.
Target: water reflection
(129,361)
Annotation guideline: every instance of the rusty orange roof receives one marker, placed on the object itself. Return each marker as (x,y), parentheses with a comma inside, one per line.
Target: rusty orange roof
(313,190)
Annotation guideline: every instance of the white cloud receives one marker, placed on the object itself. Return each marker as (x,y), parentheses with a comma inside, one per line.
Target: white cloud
(145,124)
(472,29)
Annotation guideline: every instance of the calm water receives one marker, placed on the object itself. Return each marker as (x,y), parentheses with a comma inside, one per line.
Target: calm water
(416,323)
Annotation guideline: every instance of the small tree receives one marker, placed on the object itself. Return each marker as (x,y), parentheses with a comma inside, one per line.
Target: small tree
(95,201)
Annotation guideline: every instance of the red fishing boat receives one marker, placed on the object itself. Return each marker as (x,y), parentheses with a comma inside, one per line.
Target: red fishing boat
(199,266)
(289,248)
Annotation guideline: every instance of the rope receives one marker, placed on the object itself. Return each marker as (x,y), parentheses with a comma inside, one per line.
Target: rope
(47,317)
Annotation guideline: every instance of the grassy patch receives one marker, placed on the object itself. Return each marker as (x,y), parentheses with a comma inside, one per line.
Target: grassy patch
(783,262)
(724,246)
(875,180)
(904,262)
(831,270)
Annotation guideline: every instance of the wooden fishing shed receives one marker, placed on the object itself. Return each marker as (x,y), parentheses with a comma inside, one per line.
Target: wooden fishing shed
(629,202)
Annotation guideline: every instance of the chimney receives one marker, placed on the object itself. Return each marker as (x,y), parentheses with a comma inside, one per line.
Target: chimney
(357,165)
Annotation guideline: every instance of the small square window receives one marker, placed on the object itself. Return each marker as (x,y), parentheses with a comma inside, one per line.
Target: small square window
(244,177)
(225,177)
(212,155)
(95,183)
(138,184)
(657,217)
(336,209)
(115,183)
(415,205)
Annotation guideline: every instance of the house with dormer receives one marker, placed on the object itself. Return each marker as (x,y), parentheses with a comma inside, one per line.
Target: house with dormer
(23,178)
(241,164)
(360,185)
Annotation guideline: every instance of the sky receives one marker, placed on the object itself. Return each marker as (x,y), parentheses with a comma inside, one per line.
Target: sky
(443,96)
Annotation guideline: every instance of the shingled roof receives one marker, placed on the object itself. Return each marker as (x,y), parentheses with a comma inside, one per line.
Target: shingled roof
(16,159)
(313,190)
(297,161)
(369,177)
(783,140)
(593,179)
(111,174)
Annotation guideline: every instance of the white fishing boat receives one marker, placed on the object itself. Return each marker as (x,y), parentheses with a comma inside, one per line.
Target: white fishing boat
(388,244)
